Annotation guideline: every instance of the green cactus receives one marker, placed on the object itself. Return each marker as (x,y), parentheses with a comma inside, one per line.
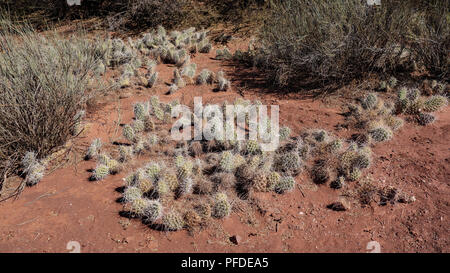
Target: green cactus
(152,140)
(254,161)
(179,161)
(413,94)
(171,180)
(204,210)
(153,171)
(434,103)
(260,181)
(138,206)
(159,113)
(185,170)
(173,221)
(128,133)
(355,174)
(381,134)
(361,161)
(334,146)
(138,126)
(131,193)
(125,153)
(288,162)
(370,101)
(285,184)
(100,172)
(227,162)
(392,82)
(272,180)
(285,133)
(141,110)
(252,147)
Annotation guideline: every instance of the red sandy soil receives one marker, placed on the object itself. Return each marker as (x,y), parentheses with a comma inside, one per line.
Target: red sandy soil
(65,206)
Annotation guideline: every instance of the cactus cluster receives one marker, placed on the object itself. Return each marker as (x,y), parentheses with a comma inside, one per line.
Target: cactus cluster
(100,172)
(173,221)
(222,207)
(227,163)
(285,133)
(381,134)
(205,77)
(285,184)
(252,147)
(289,162)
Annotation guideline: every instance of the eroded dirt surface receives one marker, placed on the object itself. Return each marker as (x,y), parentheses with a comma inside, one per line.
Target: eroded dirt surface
(65,206)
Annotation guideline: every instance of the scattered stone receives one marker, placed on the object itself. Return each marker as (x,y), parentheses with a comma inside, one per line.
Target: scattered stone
(235,239)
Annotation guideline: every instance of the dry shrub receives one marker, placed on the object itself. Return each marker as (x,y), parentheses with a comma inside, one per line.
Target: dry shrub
(42,87)
(325,41)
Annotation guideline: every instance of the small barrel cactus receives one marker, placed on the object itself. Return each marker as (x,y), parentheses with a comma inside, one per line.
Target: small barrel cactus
(138,126)
(252,147)
(185,170)
(153,171)
(354,174)
(138,206)
(272,180)
(381,134)
(192,219)
(205,77)
(35,173)
(334,146)
(394,123)
(153,79)
(100,172)
(128,133)
(285,133)
(288,162)
(185,186)
(173,221)
(227,162)
(131,193)
(285,184)
(28,160)
(125,153)
(370,101)
(153,210)
(222,208)
(260,181)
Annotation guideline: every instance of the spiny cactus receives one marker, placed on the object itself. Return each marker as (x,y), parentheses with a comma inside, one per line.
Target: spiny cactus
(185,186)
(288,162)
(285,184)
(178,80)
(171,180)
(189,70)
(141,110)
(153,210)
(362,161)
(173,221)
(100,172)
(254,161)
(149,125)
(415,107)
(394,123)
(138,206)
(227,162)
(131,193)
(153,171)
(223,54)
(260,181)
(152,140)
(222,208)
(185,170)
(93,149)
(425,118)
(434,103)
(334,146)
(192,219)
(173,89)
(204,210)
(161,187)
(28,160)
(128,133)
(320,135)
(381,134)
(413,94)
(272,180)
(139,145)
(205,77)
(392,82)
(370,101)
(224,84)
(159,113)
(285,133)
(35,172)
(145,184)
(239,160)
(252,147)
(138,126)
(204,47)
(355,174)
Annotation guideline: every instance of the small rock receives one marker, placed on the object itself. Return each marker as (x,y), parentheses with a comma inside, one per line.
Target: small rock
(337,206)
(235,239)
